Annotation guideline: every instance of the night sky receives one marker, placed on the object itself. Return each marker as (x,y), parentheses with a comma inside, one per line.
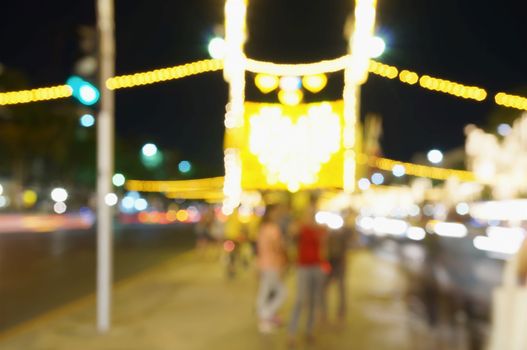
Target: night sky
(474,42)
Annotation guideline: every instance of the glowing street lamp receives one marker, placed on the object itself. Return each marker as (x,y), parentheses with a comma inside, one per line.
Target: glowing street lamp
(151,156)
(217,48)
(377,47)
(149,150)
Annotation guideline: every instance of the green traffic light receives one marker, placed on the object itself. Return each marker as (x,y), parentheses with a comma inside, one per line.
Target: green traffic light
(84,91)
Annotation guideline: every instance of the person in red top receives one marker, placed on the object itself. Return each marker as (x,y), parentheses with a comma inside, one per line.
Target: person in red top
(311,245)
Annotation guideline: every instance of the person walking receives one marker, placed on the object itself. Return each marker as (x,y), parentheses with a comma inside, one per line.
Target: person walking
(271,260)
(310,277)
(338,243)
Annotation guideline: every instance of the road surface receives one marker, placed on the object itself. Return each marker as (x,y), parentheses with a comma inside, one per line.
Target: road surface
(41,271)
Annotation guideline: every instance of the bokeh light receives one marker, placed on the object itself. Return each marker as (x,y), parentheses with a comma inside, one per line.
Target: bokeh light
(140,204)
(398,170)
(29,197)
(290,97)
(290,83)
(111,199)
(435,156)
(118,180)
(184,166)
(87,120)
(59,194)
(364,184)
(149,150)
(314,83)
(217,48)
(504,129)
(377,179)
(60,207)
(266,83)
(377,47)
(462,208)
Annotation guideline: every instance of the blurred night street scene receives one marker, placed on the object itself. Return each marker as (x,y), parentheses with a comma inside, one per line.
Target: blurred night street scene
(250,174)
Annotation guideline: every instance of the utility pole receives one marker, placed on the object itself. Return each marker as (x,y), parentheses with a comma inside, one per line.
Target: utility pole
(105,163)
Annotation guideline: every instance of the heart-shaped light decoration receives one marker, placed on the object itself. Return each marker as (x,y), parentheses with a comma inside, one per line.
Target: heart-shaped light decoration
(291,152)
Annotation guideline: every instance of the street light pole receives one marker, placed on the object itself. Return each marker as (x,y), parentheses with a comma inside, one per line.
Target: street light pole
(105,161)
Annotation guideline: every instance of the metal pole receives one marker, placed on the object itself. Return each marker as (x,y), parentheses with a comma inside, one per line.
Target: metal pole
(105,150)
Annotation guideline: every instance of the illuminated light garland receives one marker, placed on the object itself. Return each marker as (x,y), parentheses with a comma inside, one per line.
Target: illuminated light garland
(212,187)
(164,74)
(35,95)
(290,98)
(511,101)
(384,70)
(325,66)
(419,170)
(266,83)
(215,196)
(299,69)
(314,83)
(452,88)
(175,186)
(408,77)
(316,68)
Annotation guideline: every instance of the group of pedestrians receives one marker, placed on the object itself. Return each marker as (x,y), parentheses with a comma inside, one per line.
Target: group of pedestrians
(319,255)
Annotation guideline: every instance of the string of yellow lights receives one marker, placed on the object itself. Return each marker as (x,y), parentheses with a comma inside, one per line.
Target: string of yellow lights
(164,74)
(453,88)
(261,67)
(175,186)
(418,170)
(212,186)
(302,69)
(511,101)
(384,70)
(35,95)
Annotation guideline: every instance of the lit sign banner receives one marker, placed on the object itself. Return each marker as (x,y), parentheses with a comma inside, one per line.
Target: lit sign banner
(290,147)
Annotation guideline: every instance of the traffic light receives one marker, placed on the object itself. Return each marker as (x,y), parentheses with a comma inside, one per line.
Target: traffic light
(84,91)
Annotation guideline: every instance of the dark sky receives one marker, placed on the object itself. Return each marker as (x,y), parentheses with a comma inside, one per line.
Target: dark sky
(475,42)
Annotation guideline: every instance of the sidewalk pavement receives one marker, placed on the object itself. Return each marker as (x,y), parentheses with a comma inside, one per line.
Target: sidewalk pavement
(187,303)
